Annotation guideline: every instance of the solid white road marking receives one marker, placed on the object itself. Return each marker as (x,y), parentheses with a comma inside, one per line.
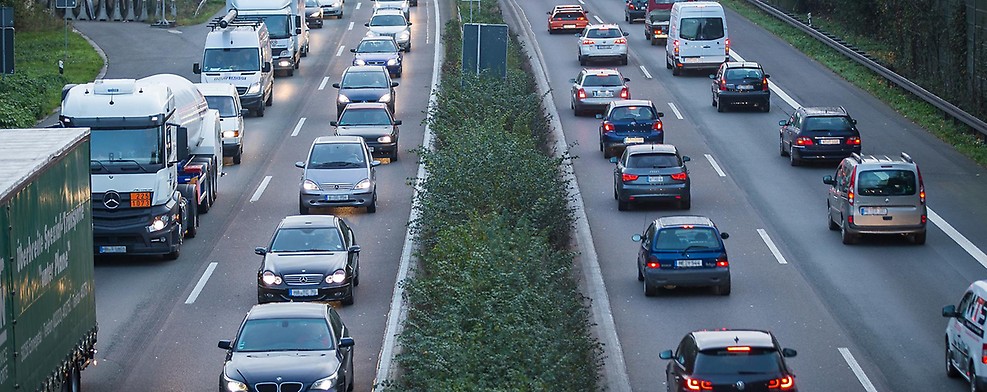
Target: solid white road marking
(716,167)
(771,246)
(350,27)
(202,283)
(598,19)
(857,370)
(323,84)
(960,239)
(773,86)
(675,110)
(298,127)
(646,74)
(582,2)
(358,5)
(340,51)
(260,189)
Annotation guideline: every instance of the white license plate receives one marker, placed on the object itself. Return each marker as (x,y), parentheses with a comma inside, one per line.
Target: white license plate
(829,141)
(113,249)
(572,26)
(632,140)
(656,179)
(602,94)
(337,197)
(688,263)
(873,211)
(371,148)
(745,87)
(303,292)
(603,47)
(690,60)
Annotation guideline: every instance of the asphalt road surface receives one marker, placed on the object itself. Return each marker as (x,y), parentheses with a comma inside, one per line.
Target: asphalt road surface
(154,333)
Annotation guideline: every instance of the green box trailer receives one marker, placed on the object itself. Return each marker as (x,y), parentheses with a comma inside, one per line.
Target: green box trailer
(48,320)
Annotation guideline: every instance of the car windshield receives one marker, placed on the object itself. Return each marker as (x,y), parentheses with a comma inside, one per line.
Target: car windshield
(603,33)
(886,182)
(377,46)
(681,238)
(658,16)
(286,334)
(602,80)
(231,60)
(702,29)
(308,239)
(387,20)
(311,3)
(277,26)
(223,104)
(568,15)
(827,123)
(650,160)
(337,156)
(364,80)
(632,113)
(373,116)
(721,361)
(743,73)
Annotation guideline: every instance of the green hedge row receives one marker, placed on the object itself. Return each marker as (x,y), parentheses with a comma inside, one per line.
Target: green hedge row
(494,303)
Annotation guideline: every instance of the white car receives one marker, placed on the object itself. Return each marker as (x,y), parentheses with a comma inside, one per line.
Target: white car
(401,5)
(223,98)
(602,42)
(391,23)
(966,346)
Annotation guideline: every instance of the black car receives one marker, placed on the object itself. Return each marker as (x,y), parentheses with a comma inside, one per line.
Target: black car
(656,26)
(313,14)
(740,83)
(289,348)
(635,10)
(365,83)
(310,258)
(822,133)
(729,360)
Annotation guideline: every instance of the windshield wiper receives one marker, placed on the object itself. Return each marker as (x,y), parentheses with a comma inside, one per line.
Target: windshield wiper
(686,250)
(100,164)
(131,161)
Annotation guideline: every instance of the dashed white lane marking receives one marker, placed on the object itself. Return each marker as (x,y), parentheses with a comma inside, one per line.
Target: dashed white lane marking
(260,189)
(675,110)
(202,283)
(582,2)
(716,166)
(323,84)
(771,246)
(298,127)
(646,74)
(358,5)
(598,19)
(960,239)
(350,26)
(174,31)
(857,370)
(340,51)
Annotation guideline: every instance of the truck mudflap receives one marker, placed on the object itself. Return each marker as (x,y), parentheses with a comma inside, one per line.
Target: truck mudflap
(67,373)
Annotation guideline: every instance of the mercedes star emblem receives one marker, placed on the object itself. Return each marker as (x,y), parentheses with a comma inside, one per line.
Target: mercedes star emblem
(740,385)
(337,186)
(111,200)
(303,280)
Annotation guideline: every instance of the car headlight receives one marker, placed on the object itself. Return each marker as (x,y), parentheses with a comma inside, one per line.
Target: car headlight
(392,62)
(310,185)
(325,384)
(229,134)
(234,385)
(385,98)
(363,185)
(254,88)
(359,62)
(158,223)
(269,278)
(339,276)
(404,35)
(384,139)
(342,98)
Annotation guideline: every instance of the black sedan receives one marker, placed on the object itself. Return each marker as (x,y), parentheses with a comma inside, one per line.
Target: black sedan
(365,83)
(311,258)
(729,360)
(741,83)
(289,348)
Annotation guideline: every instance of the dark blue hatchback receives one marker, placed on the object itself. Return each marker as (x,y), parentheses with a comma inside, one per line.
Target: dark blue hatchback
(682,251)
(627,122)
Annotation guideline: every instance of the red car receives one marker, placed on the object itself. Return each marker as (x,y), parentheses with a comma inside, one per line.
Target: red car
(566,18)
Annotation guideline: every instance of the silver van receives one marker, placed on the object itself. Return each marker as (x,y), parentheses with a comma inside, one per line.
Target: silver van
(877,195)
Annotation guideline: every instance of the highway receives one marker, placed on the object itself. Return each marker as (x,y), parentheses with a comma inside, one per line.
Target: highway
(863,317)
(160,320)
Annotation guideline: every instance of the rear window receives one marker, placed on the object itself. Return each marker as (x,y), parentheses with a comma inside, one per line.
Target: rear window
(568,15)
(658,16)
(743,73)
(721,361)
(680,238)
(604,33)
(653,160)
(602,80)
(701,29)
(827,123)
(632,113)
(886,182)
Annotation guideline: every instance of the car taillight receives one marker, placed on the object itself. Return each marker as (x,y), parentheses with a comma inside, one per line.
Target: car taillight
(589,42)
(620,41)
(628,177)
(723,85)
(625,93)
(657,126)
(581,18)
(607,126)
(726,44)
(630,6)
(849,194)
(581,94)
(722,261)
(680,176)
(786,383)
(764,84)
(675,47)
(804,141)
(853,140)
(653,262)
(921,190)
(695,384)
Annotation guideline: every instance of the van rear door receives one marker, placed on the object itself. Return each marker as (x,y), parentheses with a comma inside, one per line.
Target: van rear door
(703,36)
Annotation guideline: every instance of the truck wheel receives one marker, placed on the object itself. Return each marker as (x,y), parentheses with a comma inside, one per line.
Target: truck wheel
(193,221)
(206,203)
(72,381)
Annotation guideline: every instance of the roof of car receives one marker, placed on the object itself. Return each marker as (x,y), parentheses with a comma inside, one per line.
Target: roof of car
(303,221)
(743,64)
(365,68)
(366,105)
(706,340)
(568,7)
(338,139)
(823,110)
(604,26)
(659,148)
(387,11)
(683,220)
(903,159)
(287,310)
(604,71)
(631,102)
(378,38)
(211,89)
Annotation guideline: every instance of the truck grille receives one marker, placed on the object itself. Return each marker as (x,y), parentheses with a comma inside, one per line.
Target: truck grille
(302,279)
(241,90)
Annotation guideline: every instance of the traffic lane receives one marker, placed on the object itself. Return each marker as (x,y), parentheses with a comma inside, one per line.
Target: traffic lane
(136,50)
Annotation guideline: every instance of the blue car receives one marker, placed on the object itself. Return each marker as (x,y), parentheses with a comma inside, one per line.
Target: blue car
(627,122)
(381,51)
(682,251)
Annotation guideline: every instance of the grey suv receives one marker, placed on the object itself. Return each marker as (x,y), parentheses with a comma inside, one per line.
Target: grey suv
(877,195)
(339,172)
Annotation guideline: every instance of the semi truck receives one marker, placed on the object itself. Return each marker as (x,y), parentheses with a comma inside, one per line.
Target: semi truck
(48,320)
(285,21)
(156,158)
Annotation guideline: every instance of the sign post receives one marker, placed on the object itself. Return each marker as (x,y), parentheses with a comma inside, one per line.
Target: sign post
(6,42)
(65,5)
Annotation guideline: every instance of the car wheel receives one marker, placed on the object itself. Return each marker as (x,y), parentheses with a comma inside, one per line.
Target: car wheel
(951,371)
(259,112)
(721,107)
(640,274)
(394,155)
(685,203)
(356,278)
(676,71)
(606,152)
(713,101)
(973,379)
(623,60)
(781,148)
(793,157)
(291,72)
(623,205)
(848,237)
(668,65)
(601,145)
(654,42)
(829,220)
(408,50)
(766,107)
(372,208)
(918,238)
(270,98)
(302,209)
(626,18)
(582,60)
(615,196)
(172,255)
(649,290)
(350,299)
(722,289)
(575,110)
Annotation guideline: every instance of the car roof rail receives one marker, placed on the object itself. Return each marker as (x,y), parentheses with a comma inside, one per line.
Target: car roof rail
(906,157)
(856,157)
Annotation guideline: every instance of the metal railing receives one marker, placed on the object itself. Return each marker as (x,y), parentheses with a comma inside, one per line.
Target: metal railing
(866,60)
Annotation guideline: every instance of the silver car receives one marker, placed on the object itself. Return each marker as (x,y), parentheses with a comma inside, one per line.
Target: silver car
(594,89)
(401,5)
(391,23)
(602,42)
(877,195)
(339,172)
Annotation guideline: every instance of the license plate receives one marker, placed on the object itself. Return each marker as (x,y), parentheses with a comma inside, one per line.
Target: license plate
(602,47)
(337,197)
(632,140)
(656,179)
(371,148)
(572,26)
(829,141)
(303,292)
(113,249)
(602,94)
(690,60)
(873,211)
(688,263)
(744,87)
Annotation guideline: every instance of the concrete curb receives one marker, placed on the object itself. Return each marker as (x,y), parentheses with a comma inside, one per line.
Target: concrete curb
(615,370)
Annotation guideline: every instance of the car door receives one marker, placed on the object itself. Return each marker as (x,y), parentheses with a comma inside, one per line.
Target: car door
(645,250)
(349,239)
(345,354)
(679,366)
(790,128)
(834,205)
(576,83)
(715,87)
(960,350)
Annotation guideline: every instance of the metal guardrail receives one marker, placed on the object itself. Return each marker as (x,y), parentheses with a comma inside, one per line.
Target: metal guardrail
(865,60)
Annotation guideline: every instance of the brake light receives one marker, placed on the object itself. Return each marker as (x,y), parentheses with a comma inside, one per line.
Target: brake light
(849,194)
(607,126)
(924,219)
(657,126)
(921,190)
(739,349)
(630,6)
(628,177)
(625,93)
(620,41)
(653,262)
(786,383)
(675,47)
(804,141)
(680,176)
(764,84)
(695,384)
(722,261)
(581,18)
(581,94)
(853,140)
(589,42)
(726,45)
(723,84)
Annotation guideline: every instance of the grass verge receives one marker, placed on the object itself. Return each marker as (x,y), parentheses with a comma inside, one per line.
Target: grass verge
(906,104)
(187,15)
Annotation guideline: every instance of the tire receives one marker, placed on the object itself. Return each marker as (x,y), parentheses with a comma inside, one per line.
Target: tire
(576,111)
(372,208)
(676,71)
(685,203)
(394,155)
(654,42)
(349,300)
(721,107)
(640,275)
(918,238)
(623,60)
(847,237)
(356,278)
(259,112)
(713,101)
(793,157)
(606,152)
(408,50)
(781,148)
(626,18)
(829,219)
(668,65)
(193,213)
(722,290)
(951,371)
(206,204)
(649,290)
(290,72)
(623,205)
(973,379)
(238,156)
(766,107)
(270,98)
(172,255)
(582,60)
(303,209)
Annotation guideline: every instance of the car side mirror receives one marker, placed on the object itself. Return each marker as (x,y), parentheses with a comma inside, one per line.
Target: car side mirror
(712,76)
(572,80)
(298,31)
(766,76)
(398,122)
(196,69)
(636,238)
(374,163)
(599,116)
(626,34)
(783,122)
(395,84)
(352,50)
(367,24)
(724,235)
(548,13)
(685,158)
(409,23)
(300,165)
(667,354)
(260,250)
(788,353)
(266,67)
(853,121)
(613,159)
(354,249)
(225,344)
(333,124)
(949,311)
(346,342)
(661,114)
(828,180)
(627,79)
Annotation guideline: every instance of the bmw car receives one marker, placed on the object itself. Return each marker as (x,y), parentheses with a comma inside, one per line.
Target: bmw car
(379,51)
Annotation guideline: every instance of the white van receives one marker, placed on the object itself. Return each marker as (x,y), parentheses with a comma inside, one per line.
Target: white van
(697,36)
(966,346)
(224,98)
(240,54)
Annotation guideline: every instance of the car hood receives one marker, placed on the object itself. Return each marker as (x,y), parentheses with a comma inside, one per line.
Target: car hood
(364,94)
(364,130)
(348,176)
(300,366)
(387,29)
(310,263)
(377,56)
(312,11)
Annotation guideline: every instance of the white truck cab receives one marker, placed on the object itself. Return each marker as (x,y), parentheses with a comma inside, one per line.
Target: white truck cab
(697,36)
(223,98)
(966,346)
(285,20)
(238,52)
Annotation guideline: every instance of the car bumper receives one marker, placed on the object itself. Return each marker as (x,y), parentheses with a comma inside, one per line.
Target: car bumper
(136,240)
(688,277)
(332,11)
(635,192)
(316,200)
(618,52)
(377,148)
(897,229)
(635,15)
(594,103)
(283,294)
(619,142)
(567,26)
(826,153)
(231,149)
(252,101)
(284,63)
(314,20)
(699,63)
(747,97)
